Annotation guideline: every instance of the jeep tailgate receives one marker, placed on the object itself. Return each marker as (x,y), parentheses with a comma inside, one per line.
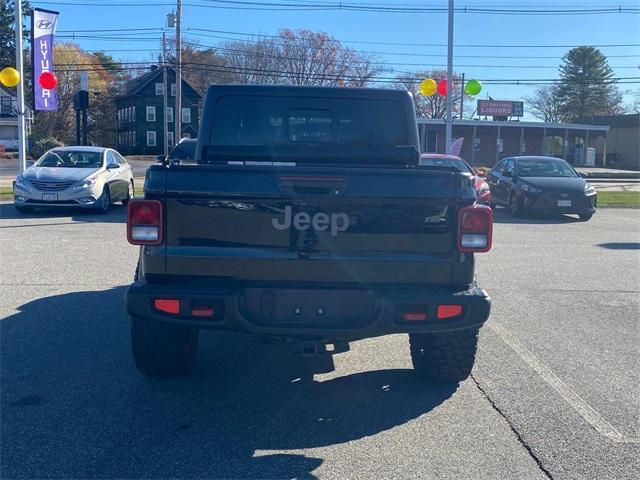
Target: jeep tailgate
(309,224)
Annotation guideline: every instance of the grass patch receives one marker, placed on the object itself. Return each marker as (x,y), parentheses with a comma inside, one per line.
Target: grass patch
(619,199)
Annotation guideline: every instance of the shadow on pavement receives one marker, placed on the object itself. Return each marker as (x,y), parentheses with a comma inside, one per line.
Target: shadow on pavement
(502,215)
(74,406)
(620,246)
(116,214)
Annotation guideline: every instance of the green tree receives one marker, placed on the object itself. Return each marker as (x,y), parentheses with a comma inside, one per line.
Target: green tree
(7,31)
(586,85)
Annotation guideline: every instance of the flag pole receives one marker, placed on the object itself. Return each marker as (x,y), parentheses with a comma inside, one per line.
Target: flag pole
(22,130)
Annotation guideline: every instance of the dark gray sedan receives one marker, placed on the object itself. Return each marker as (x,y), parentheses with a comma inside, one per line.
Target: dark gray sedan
(541,184)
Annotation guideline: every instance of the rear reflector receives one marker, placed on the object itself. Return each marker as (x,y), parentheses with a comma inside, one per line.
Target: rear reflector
(144,222)
(448,311)
(202,311)
(415,316)
(475,228)
(167,305)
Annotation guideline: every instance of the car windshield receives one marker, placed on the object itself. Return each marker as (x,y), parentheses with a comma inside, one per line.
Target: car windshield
(70,159)
(445,162)
(545,168)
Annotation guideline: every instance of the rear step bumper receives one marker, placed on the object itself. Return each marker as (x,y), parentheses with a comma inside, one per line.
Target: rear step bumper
(310,312)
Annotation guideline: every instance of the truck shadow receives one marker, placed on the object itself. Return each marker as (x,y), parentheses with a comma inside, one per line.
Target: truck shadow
(58,216)
(74,406)
(502,215)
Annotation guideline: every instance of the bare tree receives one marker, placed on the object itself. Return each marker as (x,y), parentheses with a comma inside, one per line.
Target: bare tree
(299,57)
(434,106)
(546,105)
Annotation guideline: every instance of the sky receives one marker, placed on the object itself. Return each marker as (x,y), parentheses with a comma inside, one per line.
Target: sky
(514,39)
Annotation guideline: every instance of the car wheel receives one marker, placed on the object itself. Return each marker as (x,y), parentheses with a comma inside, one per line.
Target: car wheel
(163,350)
(104,202)
(24,209)
(514,207)
(585,217)
(444,357)
(130,193)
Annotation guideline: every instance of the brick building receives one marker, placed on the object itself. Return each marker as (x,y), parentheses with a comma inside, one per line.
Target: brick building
(486,142)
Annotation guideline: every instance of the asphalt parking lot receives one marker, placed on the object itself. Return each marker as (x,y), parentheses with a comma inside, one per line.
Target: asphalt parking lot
(555,392)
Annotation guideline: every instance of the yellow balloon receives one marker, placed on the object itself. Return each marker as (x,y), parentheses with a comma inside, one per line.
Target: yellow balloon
(9,77)
(428,87)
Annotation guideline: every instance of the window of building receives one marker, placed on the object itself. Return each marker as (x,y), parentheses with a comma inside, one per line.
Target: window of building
(186,115)
(151,138)
(159,89)
(169,114)
(170,140)
(173,89)
(151,114)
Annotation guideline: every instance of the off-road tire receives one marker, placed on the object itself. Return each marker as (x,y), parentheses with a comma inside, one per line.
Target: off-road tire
(585,217)
(24,209)
(130,193)
(444,357)
(162,349)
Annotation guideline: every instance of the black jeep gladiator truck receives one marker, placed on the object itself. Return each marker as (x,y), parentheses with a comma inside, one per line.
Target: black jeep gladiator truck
(308,218)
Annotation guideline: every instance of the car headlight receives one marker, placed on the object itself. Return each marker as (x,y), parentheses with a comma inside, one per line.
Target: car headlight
(589,188)
(86,183)
(529,188)
(20,181)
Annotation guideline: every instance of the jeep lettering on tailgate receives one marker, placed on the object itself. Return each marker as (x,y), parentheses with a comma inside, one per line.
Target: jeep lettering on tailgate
(321,222)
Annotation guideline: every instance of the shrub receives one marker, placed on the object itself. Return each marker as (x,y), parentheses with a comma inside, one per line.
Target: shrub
(38,146)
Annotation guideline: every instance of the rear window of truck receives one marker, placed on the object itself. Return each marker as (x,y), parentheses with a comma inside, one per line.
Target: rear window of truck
(300,121)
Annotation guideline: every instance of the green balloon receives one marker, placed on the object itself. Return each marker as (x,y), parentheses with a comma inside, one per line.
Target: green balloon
(473,87)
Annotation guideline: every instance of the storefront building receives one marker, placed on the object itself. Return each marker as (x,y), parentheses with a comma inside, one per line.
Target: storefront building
(486,142)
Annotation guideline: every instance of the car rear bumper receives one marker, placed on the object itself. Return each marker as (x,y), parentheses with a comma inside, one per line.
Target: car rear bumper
(311,312)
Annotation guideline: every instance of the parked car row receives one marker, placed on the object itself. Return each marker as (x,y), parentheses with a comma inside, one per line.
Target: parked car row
(94,177)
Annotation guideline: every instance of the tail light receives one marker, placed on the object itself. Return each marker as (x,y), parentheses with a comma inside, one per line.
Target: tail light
(475,228)
(144,222)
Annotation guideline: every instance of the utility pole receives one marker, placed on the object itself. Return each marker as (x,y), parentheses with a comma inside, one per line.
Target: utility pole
(177,114)
(462,97)
(165,118)
(22,130)
(449,119)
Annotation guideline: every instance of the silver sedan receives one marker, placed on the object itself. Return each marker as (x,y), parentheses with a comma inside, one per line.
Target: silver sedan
(87,177)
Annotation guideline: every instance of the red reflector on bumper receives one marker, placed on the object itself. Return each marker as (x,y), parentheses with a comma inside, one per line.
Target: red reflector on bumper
(414,316)
(448,311)
(167,305)
(202,311)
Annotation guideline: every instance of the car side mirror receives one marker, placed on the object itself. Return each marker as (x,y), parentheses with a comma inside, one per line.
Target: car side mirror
(160,158)
(30,163)
(112,166)
(583,174)
(508,173)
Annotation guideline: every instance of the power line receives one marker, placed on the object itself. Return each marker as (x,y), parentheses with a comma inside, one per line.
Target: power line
(350,7)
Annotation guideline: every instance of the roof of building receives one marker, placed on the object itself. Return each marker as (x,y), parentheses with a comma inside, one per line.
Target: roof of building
(632,120)
(134,85)
(489,123)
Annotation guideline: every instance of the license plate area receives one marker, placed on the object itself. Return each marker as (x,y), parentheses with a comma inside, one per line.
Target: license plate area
(309,308)
(564,203)
(50,197)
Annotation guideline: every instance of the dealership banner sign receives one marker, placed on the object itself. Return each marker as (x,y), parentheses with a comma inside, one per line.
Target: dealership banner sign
(500,108)
(43,27)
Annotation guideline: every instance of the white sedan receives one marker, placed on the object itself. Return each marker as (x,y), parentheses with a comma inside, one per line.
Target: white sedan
(87,177)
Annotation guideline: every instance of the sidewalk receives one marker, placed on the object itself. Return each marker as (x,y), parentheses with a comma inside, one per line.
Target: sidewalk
(609,173)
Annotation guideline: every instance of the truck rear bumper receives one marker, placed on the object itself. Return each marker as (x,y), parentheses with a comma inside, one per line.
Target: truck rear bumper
(340,314)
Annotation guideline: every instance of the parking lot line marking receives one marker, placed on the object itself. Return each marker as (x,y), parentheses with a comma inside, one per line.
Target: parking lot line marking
(572,398)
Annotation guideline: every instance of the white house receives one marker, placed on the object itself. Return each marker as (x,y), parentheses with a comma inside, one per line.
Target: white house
(9,118)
